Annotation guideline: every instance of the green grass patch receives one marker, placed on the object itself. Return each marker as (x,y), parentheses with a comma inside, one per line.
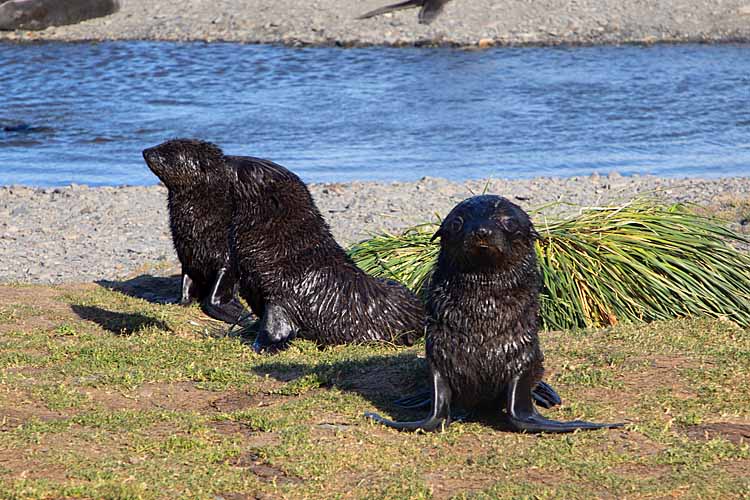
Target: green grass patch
(107,404)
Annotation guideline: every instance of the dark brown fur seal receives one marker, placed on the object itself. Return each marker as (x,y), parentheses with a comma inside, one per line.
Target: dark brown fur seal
(482,329)
(428,12)
(295,276)
(200,212)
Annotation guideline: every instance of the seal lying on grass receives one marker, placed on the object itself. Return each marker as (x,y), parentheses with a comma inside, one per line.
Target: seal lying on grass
(200,211)
(482,330)
(297,278)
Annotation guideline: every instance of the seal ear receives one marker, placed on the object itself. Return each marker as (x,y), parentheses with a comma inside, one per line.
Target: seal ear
(438,233)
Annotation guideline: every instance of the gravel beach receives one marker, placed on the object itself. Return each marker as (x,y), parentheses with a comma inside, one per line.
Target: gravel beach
(75,234)
(463,23)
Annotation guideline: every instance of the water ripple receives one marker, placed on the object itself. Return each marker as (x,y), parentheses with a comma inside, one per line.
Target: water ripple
(83,112)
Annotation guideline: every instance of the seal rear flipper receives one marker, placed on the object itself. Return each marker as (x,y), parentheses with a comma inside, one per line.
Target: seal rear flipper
(222,304)
(422,399)
(230,312)
(545,396)
(440,413)
(275,330)
(524,417)
(408,4)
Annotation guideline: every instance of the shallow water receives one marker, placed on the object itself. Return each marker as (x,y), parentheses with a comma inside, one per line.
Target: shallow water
(82,113)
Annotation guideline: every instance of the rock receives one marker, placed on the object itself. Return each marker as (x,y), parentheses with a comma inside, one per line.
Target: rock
(40,14)
(485,43)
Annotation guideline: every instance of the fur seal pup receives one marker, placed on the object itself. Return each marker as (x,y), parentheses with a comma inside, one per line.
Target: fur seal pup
(428,12)
(482,328)
(200,212)
(297,278)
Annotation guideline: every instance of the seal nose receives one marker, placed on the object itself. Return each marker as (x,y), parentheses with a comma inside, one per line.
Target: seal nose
(482,232)
(147,153)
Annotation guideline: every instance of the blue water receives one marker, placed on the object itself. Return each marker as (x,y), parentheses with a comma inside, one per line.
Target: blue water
(82,113)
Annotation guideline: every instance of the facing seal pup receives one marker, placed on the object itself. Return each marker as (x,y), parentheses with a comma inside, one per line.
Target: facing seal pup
(297,278)
(482,328)
(200,212)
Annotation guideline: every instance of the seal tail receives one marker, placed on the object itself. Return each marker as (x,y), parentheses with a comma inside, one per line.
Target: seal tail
(408,4)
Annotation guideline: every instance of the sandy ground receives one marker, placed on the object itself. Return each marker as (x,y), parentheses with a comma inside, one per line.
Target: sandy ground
(464,22)
(76,234)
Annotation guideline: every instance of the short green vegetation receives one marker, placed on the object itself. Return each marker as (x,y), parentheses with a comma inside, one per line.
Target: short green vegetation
(108,396)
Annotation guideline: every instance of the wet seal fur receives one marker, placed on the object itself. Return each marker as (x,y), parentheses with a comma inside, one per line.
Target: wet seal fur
(482,329)
(200,212)
(297,278)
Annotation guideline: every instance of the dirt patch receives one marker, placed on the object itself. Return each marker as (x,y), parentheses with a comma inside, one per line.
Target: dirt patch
(46,311)
(735,433)
(264,471)
(661,372)
(178,396)
(444,487)
(251,438)
(633,443)
(18,313)
(20,467)
(244,496)
(23,411)
(643,471)
(738,468)
(234,401)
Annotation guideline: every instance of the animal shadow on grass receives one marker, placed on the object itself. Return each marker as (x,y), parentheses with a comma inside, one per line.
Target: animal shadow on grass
(117,322)
(380,379)
(155,289)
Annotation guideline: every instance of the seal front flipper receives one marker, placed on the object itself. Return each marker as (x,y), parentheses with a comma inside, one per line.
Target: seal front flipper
(189,293)
(275,331)
(440,413)
(221,304)
(524,417)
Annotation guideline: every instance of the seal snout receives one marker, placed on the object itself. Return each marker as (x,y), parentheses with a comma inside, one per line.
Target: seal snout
(483,236)
(150,155)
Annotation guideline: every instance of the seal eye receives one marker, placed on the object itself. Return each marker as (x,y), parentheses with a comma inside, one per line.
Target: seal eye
(456,224)
(510,225)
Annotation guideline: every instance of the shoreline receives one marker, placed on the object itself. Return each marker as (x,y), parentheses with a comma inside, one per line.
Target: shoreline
(81,234)
(464,23)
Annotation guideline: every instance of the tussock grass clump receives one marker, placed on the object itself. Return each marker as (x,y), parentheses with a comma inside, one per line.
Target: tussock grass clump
(638,262)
